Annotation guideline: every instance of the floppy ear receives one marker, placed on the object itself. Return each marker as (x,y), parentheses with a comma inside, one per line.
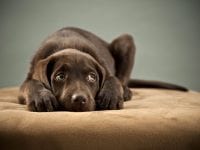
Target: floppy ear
(43,71)
(102,74)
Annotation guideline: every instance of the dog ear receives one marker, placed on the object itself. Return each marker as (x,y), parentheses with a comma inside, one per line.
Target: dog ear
(102,74)
(43,71)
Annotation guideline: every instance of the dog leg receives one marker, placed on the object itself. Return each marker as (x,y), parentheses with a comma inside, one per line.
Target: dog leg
(37,97)
(123,51)
(111,95)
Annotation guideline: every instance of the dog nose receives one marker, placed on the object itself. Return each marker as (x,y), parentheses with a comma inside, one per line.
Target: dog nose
(79,99)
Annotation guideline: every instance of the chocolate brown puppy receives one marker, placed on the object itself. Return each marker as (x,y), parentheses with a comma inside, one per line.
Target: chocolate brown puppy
(74,70)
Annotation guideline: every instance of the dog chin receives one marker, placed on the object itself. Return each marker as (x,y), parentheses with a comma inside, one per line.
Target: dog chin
(79,107)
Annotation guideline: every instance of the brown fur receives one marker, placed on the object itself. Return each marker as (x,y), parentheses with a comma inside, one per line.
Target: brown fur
(95,73)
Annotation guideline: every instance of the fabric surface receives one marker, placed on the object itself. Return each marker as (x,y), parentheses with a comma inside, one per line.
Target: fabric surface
(153,119)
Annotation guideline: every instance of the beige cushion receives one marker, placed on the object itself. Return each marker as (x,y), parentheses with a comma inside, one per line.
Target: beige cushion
(153,119)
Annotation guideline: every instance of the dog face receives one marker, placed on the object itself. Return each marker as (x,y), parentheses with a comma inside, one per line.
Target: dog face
(74,78)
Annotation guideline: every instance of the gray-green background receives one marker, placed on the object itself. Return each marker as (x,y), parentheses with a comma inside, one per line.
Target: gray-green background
(166,32)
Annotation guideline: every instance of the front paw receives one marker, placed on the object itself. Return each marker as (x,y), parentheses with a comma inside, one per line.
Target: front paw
(110,97)
(109,100)
(41,101)
(127,93)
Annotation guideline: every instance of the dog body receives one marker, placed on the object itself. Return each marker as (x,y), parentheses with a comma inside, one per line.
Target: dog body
(75,70)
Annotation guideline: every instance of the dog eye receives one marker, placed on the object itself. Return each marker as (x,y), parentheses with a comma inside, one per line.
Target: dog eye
(60,77)
(91,77)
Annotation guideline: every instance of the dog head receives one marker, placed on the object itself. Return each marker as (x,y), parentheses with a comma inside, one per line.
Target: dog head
(74,78)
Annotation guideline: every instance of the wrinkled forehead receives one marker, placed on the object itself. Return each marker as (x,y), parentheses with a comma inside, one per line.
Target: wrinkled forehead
(73,57)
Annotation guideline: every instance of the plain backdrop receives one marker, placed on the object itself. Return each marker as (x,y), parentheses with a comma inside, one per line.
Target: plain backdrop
(166,33)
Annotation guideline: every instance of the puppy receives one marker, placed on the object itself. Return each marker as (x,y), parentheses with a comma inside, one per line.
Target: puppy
(74,70)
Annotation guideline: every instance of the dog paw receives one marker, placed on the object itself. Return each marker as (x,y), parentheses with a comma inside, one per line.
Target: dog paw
(42,101)
(110,97)
(127,93)
(107,100)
